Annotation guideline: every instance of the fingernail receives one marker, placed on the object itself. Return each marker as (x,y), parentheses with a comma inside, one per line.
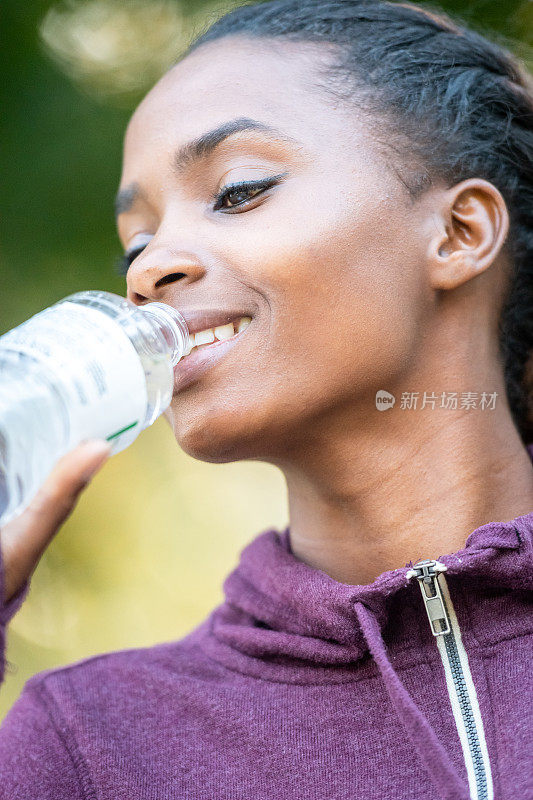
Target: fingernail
(96,447)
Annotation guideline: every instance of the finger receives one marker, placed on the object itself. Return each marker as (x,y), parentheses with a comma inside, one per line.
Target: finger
(60,491)
(25,537)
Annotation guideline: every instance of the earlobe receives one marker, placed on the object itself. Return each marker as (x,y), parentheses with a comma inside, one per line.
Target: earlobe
(474,225)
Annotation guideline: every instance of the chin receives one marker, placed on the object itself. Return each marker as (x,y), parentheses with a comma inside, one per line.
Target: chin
(218,439)
(214,452)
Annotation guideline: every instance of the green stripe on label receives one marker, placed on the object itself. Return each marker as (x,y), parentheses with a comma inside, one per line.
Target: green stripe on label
(113,435)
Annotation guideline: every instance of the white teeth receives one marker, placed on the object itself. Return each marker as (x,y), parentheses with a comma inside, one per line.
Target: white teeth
(221,333)
(204,337)
(189,346)
(224,331)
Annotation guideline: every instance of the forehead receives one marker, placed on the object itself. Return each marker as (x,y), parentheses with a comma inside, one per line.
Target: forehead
(269,80)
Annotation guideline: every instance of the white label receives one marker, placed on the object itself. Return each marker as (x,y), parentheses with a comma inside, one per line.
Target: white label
(97,366)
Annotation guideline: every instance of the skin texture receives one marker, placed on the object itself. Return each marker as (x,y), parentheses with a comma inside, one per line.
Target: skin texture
(352,287)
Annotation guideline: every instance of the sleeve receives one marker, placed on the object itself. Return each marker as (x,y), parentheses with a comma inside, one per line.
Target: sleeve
(35,761)
(38,760)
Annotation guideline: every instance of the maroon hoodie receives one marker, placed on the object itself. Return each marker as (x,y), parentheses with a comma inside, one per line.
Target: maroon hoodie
(298,687)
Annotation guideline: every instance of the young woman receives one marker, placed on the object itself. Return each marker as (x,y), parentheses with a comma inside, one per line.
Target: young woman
(340,193)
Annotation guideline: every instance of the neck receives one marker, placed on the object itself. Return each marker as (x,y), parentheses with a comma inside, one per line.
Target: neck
(409,484)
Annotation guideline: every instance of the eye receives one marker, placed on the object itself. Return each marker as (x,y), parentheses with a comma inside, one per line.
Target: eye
(123,263)
(238,194)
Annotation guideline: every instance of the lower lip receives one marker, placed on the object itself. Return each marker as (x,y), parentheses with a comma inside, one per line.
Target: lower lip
(191,367)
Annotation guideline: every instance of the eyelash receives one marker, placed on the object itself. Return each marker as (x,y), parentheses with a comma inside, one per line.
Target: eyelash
(123,263)
(262,185)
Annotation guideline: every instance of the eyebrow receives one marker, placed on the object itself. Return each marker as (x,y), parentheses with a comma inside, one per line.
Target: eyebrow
(200,148)
(126,198)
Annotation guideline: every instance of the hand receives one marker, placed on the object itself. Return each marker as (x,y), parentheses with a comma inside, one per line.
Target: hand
(24,539)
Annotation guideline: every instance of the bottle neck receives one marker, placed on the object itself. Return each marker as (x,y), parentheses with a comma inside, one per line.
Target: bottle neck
(172,326)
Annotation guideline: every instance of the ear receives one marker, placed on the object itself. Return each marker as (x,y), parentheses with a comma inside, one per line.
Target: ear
(472,225)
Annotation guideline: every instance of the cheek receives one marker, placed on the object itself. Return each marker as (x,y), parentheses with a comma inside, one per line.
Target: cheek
(341,289)
(344,284)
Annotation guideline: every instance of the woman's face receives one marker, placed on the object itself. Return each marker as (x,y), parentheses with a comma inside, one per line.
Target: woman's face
(326,256)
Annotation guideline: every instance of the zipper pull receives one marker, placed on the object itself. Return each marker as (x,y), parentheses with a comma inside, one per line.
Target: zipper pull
(426,572)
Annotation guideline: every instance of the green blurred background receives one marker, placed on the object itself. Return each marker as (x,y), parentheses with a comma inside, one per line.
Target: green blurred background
(144,555)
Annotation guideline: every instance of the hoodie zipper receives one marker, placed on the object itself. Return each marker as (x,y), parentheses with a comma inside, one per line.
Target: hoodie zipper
(461,689)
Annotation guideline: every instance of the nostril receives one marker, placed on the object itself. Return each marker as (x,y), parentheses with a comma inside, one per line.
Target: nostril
(175,276)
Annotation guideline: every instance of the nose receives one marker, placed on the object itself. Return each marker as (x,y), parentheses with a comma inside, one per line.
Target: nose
(159,267)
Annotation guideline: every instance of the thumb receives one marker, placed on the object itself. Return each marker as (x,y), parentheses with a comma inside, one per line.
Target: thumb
(92,454)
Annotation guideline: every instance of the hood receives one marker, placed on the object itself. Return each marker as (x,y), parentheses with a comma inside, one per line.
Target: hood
(280,610)
(291,622)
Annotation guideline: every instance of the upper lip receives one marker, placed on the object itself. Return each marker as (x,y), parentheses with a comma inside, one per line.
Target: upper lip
(202,318)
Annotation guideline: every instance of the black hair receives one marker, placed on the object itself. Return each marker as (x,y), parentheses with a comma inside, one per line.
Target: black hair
(460,105)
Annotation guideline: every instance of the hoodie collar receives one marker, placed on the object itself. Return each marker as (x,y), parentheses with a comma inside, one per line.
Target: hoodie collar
(285,613)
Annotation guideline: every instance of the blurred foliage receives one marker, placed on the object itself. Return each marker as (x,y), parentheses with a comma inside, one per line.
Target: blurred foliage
(143,557)
(116,50)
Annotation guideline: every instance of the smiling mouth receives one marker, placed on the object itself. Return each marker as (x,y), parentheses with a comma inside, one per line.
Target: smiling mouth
(202,339)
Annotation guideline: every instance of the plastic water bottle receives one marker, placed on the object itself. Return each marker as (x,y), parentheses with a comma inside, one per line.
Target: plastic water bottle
(93,365)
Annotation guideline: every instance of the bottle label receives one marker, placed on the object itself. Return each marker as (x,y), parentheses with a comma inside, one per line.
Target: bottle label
(96,367)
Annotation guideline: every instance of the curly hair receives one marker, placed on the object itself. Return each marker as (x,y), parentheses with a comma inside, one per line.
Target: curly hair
(455,105)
